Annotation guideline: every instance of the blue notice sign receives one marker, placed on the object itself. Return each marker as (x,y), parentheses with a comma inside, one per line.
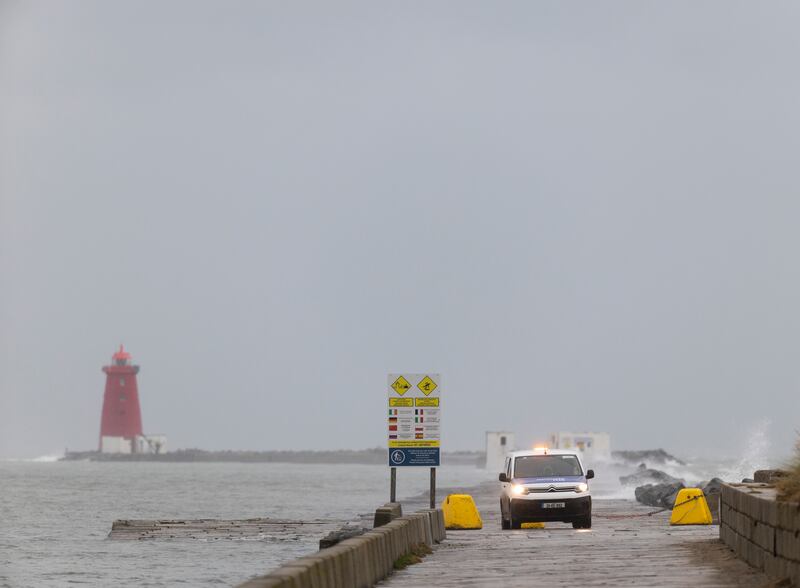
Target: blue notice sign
(414,456)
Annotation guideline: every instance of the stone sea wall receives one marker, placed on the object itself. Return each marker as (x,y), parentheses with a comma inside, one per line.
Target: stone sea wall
(761,530)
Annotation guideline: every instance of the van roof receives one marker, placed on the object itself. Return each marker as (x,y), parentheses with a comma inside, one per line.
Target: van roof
(542,451)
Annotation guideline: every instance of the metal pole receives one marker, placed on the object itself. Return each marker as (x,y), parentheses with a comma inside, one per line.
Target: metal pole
(393,486)
(433,488)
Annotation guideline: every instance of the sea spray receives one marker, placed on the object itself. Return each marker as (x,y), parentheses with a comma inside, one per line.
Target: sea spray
(755,454)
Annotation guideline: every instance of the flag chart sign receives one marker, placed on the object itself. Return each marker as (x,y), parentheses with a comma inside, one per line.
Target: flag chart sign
(414,419)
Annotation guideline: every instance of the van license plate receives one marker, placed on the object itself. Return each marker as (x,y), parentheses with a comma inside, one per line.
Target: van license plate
(552,505)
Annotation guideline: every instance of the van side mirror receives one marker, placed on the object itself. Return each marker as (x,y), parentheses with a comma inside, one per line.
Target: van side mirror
(503,477)
(589,474)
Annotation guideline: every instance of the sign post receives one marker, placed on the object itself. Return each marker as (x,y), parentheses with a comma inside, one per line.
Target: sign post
(414,425)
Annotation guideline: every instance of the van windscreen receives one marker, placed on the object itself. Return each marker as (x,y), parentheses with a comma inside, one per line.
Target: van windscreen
(546,466)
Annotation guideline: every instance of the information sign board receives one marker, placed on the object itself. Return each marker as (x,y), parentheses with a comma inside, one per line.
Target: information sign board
(414,421)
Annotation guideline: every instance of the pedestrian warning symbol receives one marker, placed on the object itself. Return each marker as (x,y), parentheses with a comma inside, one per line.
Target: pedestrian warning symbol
(427,385)
(401,385)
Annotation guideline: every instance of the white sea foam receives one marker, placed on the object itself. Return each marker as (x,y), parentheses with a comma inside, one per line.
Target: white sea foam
(41,459)
(48,458)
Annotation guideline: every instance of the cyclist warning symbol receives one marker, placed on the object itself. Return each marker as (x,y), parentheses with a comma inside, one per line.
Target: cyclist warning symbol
(401,385)
(415,456)
(427,385)
(414,421)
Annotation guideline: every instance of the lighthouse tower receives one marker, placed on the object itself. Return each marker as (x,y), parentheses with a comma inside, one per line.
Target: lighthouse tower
(121,424)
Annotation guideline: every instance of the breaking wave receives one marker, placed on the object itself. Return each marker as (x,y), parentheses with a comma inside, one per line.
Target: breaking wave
(51,458)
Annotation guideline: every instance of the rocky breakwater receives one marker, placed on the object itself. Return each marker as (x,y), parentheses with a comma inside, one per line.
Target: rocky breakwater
(657,488)
(653,487)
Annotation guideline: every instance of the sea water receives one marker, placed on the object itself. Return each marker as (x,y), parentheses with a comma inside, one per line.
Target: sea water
(55,517)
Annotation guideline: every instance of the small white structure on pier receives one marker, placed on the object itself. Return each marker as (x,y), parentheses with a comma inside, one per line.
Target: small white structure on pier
(592,446)
(111,444)
(141,444)
(498,444)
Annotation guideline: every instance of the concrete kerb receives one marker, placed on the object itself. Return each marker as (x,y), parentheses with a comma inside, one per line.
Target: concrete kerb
(393,541)
(323,573)
(360,561)
(385,548)
(437,537)
(419,525)
(438,522)
(379,553)
(294,576)
(372,567)
(358,553)
(439,519)
(342,565)
(265,582)
(375,543)
(408,534)
(386,559)
(395,507)
(372,552)
(426,529)
(401,536)
(415,529)
(387,513)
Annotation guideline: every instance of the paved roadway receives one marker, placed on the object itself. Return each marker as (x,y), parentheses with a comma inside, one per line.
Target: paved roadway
(617,551)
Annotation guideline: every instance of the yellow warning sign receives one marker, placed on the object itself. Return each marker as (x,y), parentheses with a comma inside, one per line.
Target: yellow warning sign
(401,385)
(413,444)
(423,401)
(427,385)
(404,401)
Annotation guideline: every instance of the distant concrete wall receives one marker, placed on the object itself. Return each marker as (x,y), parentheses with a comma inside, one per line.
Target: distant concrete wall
(761,530)
(361,561)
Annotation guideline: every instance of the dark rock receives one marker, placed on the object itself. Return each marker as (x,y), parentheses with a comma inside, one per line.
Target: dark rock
(660,495)
(712,487)
(768,476)
(647,476)
(335,537)
(747,480)
(658,456)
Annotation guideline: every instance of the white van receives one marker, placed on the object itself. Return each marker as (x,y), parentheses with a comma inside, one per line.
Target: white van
(543,485)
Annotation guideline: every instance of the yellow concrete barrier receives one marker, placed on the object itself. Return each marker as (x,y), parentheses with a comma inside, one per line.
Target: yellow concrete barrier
(690,508)
(460,512)
(532,525)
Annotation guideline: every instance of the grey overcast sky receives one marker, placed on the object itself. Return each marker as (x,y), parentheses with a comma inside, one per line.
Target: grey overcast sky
(585,215)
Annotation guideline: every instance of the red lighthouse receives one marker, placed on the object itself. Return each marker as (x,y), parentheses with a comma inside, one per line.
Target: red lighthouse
(121,423)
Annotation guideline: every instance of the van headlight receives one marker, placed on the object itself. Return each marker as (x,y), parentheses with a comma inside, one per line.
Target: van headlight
(518,489)
(582,487)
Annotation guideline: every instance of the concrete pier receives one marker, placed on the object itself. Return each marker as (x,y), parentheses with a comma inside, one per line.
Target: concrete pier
(137,530)
(625,547)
